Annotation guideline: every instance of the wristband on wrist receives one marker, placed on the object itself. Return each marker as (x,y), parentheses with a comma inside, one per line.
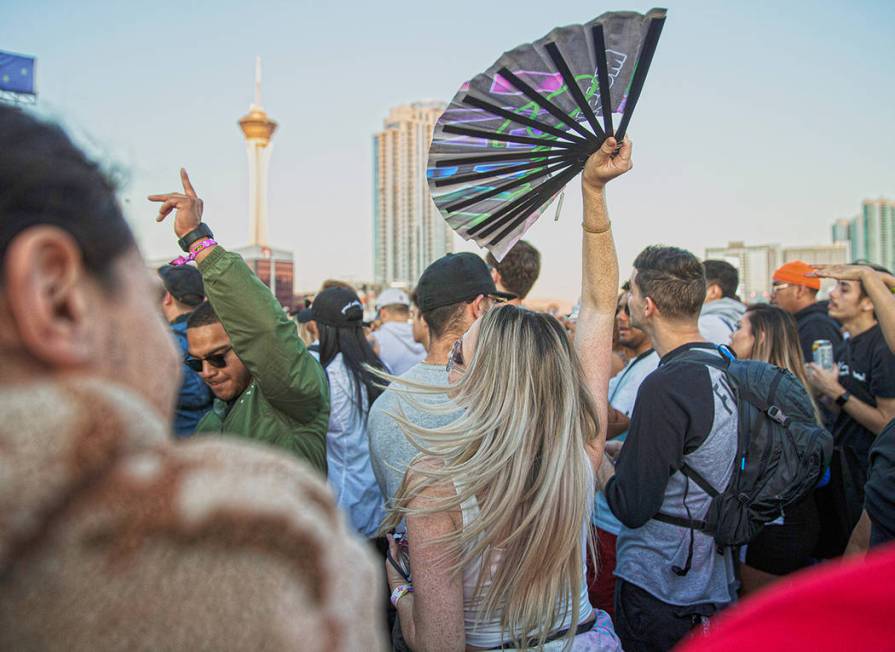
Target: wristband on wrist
(201,232)
(400,591)
(195,248)
(842,399)
(596,231)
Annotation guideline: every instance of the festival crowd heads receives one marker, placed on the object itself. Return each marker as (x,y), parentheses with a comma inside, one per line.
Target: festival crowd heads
(665,467)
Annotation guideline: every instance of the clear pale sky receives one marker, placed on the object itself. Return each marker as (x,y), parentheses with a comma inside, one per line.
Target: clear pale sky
(760,121)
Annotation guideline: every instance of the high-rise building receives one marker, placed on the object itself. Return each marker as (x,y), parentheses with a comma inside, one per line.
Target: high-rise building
(756,265)
(408,230)
(870,234)
(275,267)
(834,254)
(840,231)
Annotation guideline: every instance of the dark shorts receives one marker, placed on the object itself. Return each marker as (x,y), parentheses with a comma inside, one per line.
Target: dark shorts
(788,547)
(646,624)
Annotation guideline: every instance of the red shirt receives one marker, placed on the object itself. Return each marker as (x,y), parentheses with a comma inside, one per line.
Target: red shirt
(847,605)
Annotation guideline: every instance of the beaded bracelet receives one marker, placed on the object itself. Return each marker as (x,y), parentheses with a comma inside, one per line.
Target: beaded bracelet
(400,591)
(195,248)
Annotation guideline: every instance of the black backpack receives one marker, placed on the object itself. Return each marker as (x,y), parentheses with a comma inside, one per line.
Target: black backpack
(781,451)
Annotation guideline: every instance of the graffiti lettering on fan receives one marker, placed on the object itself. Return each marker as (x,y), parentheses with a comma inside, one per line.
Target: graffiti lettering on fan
(551,85)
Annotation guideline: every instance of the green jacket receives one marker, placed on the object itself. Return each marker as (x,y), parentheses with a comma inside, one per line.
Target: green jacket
(287,402)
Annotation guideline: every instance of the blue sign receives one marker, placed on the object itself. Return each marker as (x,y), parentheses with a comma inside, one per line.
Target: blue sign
(16,73)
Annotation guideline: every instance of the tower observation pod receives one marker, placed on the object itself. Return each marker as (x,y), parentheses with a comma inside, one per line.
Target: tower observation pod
(258,128)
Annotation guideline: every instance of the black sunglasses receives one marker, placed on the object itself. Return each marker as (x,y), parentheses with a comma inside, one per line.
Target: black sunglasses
(218,360)
(455,357)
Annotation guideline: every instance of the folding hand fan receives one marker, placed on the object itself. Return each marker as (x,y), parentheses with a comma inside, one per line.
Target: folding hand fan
(513,136)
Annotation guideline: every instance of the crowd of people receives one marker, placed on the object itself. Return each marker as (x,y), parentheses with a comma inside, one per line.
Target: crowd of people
(463,474)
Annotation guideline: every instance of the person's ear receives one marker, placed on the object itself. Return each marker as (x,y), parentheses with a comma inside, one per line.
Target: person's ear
(495,276)
(49,295)
(168,299)
(866,304)
(650,309)
(713,292)
(479,306)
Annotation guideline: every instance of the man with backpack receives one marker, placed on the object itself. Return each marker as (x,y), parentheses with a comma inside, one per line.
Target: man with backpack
(694,478)
(668,579)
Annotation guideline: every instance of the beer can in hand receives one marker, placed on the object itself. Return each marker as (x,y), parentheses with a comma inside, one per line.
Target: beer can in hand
(823,353)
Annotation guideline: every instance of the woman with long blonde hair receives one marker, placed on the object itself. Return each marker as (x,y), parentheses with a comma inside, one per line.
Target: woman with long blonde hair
(497,505)
(769,334)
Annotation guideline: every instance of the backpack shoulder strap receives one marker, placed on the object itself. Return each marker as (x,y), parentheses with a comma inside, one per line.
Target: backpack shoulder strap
(686,523)
(701,482)
(722,363)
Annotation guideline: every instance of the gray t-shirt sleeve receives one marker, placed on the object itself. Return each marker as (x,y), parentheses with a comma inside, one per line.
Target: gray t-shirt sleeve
(390,450)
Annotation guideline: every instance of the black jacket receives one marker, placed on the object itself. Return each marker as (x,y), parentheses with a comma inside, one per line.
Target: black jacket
(815,324)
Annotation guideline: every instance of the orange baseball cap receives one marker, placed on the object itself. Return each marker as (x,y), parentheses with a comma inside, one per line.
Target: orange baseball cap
(796,272)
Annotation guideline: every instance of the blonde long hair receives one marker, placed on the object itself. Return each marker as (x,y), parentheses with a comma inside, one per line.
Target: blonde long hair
(777,342)
(519,449)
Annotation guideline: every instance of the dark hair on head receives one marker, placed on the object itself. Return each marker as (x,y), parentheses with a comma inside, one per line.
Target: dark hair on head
(673,278)
(724,275)
(357,354)
(46,180)
(445,319)
(203,315)
(873,266)
(519,269)
(335,283)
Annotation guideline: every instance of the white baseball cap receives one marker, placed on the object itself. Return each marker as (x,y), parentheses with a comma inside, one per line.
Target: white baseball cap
(390,297)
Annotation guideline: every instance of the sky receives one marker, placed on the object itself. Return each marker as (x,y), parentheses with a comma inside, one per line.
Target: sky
(760,121)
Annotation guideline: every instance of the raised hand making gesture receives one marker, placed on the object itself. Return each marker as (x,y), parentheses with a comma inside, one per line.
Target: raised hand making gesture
(194,237)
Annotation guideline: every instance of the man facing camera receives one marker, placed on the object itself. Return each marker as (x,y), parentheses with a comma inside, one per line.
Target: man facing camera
(112,536)
(267,386)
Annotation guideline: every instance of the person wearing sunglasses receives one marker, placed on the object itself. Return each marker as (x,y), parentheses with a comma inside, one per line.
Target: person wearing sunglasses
(498,505)
(267,386)
(112,535)
(451,294)
(794,290)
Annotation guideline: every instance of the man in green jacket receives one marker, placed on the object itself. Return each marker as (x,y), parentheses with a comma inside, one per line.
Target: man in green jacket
(267,386)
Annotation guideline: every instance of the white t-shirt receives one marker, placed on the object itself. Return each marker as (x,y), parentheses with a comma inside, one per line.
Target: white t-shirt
(623,388)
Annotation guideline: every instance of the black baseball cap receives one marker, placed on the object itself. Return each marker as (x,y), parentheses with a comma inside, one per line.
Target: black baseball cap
(338,307)
(304,315)
(184,282)
(454,278)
